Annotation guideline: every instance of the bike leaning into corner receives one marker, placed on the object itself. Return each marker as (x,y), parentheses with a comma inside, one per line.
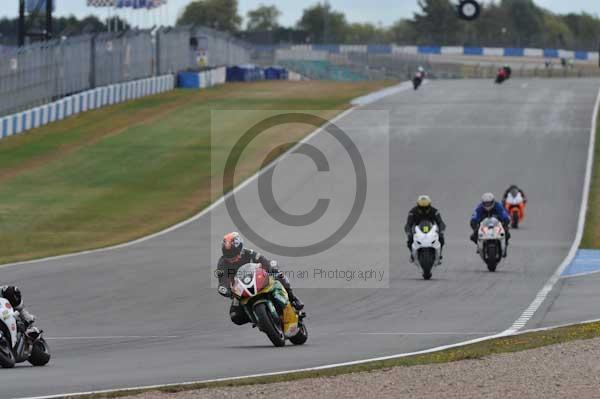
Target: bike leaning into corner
(18,342)
(266,304)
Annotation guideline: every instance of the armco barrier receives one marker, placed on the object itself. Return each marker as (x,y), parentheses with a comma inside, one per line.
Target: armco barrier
(320,51)
(201,80)
(473,50)
(88,100)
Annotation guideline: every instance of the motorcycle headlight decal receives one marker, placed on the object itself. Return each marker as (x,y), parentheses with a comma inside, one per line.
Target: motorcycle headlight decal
(247,279)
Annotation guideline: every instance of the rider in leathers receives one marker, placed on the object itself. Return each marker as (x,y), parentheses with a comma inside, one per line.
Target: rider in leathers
(13,295)
(487,208)
(234,257)
(423,211)
(510,189)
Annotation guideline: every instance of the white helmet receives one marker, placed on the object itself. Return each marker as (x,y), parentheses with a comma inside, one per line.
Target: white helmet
(420,69)
(423,201)
(488,201)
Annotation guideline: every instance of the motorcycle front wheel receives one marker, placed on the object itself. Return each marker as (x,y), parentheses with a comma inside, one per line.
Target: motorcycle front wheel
(301,337)
(7,358)
(515,219)
(492,252)
(266,324)
(40,353)
(427,260)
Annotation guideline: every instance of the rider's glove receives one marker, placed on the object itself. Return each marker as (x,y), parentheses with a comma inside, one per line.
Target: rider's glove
(223,291)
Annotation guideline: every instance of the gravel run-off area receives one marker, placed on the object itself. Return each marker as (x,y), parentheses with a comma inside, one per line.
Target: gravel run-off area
(570,370)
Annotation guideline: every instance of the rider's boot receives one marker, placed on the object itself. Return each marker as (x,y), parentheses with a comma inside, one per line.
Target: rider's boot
(295,301)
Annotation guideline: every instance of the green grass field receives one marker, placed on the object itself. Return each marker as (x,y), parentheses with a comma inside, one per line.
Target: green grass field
(591,234)
(125,171)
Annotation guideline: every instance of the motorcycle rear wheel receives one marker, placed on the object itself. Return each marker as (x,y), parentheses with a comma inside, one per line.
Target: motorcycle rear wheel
(267,325)
(40,354)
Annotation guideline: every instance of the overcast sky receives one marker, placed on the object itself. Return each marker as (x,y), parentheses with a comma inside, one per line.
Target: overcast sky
(375,11)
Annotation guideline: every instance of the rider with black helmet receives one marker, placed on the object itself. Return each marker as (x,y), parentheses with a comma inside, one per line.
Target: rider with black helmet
(13,295)
(236,256)
(422,212)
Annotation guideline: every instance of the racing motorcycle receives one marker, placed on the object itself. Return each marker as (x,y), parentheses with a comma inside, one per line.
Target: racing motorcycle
(503,74)
(515,206)
(426,247)
(417,80)
(266,303)
(19,344)
(491,242)
(501,77)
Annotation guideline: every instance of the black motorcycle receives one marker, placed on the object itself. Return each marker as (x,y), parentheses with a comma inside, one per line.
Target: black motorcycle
(417,80)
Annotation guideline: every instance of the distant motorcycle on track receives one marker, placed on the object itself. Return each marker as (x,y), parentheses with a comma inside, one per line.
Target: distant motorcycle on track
(417,81)
(266,303)
(503,74)
(491,242)
(515,206)
(18,343)
(426,247)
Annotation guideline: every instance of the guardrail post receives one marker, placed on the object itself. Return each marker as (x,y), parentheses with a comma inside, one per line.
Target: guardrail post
(93,62)
(158,50)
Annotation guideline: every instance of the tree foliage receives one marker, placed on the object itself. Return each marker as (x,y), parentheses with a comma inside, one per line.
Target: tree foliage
(503,23)
(323,25)
(63,26)
(263,18)
(217,14)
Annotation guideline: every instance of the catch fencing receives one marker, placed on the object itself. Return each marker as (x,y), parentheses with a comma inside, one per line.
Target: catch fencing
(45,72)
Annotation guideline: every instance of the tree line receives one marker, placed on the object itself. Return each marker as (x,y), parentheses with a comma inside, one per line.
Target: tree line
(63,27)
(503,23)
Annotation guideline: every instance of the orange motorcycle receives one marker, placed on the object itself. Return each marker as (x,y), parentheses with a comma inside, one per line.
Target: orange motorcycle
(515,206)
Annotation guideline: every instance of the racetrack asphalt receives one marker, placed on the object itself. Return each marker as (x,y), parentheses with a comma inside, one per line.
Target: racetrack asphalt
(146,314)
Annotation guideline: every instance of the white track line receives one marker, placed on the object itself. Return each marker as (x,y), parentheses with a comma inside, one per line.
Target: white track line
(424,333)
(378,95)
(543,293)
(324,367)
(111,337)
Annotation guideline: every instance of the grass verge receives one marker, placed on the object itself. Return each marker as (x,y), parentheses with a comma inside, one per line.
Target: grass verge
(125,171)
(514,343)
(591,233)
